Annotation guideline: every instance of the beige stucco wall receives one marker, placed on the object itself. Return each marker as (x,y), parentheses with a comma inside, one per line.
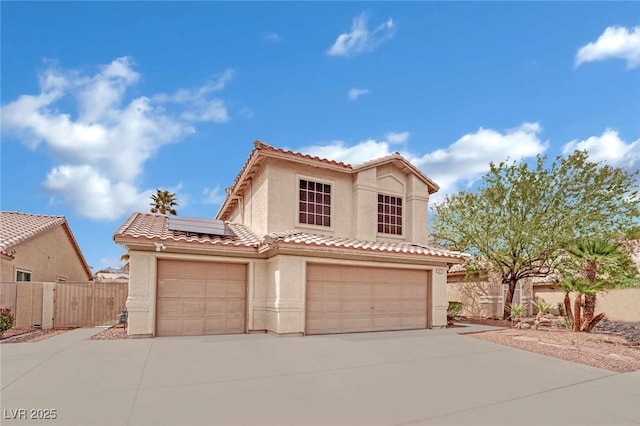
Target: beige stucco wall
(281,204)
(483,298)
(270,202)
(48,256)
(618,305)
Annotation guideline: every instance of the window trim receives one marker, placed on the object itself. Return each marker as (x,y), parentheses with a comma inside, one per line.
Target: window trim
(24,271)
(314,179)
(402,226)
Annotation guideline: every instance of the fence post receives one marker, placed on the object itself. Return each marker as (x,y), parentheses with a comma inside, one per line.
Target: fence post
(93,303)
(48,309)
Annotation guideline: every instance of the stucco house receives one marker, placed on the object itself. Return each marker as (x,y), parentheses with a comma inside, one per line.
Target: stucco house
(37,247)
(301,245)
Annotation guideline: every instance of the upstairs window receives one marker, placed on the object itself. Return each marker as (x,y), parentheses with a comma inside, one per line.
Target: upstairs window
(389,214)
(314,203)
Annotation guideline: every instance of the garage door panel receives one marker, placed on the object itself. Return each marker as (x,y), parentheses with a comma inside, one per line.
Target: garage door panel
(169,308)
(192,326)
(234,325)
(236,289)
(193,289)
(235,308)
(195,298)
(169,287)
(350,291)
(332,290)
(193,308)
(372,299)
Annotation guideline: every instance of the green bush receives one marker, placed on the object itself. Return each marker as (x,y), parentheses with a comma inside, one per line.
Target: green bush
(7,320)
(454,309)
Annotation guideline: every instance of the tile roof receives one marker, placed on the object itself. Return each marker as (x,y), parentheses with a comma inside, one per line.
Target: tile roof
(261,151)
(17,227)
(154,227)
(297,237)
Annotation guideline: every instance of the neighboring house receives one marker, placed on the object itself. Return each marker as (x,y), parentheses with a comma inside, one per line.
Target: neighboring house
(301,245)
(482,293)
(39,248)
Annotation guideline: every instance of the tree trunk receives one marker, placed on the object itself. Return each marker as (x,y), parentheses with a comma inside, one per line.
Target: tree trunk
(576,312)
(509,299)
(589,309)
(567,309)
(591,325)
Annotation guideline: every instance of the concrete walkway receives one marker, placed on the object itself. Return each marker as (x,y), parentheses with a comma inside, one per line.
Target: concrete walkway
(426,377)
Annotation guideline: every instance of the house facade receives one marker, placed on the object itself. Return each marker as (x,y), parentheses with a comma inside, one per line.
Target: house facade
(39,248)
(311,246)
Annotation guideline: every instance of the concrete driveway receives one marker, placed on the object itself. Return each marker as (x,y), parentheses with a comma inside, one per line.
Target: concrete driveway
(412,377)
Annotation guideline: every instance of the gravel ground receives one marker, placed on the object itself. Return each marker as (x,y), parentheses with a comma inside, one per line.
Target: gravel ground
(629,330)
(34,336)
(607,351)
(111,333)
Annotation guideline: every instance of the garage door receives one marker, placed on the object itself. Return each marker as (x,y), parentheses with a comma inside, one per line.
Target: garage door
(345,299)
(196,298)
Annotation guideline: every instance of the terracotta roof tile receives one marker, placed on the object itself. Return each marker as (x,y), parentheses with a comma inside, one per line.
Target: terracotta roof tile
(154,227)
(297,237)
(261,150)
(16,227)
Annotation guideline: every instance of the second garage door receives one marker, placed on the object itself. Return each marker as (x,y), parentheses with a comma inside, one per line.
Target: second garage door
(196,298)
(345,299)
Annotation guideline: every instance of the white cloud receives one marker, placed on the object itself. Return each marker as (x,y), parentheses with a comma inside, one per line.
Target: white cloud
(397,138)
(212,195)
(360,39)
(615,42)
(93,194)
(272,37)
(456,166)
(356,154)
(468,158)
(199,106)
(608,148)
(99,153)
(354,93)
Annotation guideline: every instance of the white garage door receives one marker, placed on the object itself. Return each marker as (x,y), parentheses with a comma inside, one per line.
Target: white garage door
(345,299)
(196,298)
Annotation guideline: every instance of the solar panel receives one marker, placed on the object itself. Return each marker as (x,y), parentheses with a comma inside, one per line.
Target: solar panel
(200,226)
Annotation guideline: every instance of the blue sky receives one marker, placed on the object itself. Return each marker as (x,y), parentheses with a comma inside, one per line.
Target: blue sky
(102,103)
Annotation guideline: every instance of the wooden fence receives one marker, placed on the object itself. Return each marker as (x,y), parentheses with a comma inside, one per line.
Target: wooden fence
(64,304)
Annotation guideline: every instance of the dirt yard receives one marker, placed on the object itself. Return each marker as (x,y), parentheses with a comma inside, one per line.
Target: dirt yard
(613,347)
(25,335)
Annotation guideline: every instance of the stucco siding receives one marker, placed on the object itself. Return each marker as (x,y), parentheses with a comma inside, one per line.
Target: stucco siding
(281,206)
(49,256)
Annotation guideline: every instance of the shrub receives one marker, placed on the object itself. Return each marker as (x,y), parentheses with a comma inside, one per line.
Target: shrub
(7,320)
(453,310)
(516,311)
(542,306)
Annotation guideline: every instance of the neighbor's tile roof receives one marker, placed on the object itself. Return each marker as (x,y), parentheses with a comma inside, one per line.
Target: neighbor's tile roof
(296,237)
(17,227)
(154,227)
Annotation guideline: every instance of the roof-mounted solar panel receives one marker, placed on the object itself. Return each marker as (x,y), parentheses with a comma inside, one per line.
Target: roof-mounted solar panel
(200,226)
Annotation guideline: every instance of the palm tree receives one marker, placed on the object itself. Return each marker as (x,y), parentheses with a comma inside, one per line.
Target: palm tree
(595,255)
(125,258)
(163,202)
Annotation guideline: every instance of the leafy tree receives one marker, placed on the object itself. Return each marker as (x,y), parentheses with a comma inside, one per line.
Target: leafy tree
(163,202)
(522,217)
